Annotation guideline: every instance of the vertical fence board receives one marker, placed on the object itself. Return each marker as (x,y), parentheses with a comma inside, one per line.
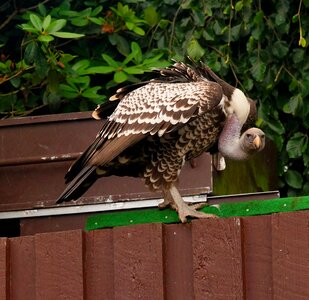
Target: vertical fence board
(290,255)
(178,271)
(217,259)
(59,265)
(22,268)
(138,262)
(99,264)
(257,242)
(4,268)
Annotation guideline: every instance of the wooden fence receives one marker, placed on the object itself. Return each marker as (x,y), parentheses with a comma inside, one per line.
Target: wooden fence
(264,257)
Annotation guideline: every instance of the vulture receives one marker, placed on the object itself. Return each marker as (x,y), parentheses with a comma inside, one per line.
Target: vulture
(157,125)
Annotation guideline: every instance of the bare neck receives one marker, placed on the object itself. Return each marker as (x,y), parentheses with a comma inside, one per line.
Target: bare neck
(230,144)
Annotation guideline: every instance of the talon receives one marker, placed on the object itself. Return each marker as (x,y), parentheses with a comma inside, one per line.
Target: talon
(197,206)
(175,200)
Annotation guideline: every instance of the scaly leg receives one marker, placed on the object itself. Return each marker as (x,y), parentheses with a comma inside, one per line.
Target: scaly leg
(184,210)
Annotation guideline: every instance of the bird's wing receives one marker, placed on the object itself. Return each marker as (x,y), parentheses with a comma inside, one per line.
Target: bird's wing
(152,109)
(157,107)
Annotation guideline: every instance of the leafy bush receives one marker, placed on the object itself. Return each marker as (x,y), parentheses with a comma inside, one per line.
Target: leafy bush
(69,55)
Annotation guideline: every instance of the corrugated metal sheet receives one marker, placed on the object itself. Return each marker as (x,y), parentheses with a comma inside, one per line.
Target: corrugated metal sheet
(263,257)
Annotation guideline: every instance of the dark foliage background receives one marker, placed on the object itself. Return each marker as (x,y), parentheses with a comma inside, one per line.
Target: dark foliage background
(61,56)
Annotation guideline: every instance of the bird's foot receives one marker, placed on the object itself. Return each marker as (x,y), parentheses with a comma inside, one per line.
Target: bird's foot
(198,206)
(184,211)
(174,199)
(166,203)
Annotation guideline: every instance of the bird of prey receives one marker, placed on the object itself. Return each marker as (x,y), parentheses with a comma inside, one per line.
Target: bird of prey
(157,125)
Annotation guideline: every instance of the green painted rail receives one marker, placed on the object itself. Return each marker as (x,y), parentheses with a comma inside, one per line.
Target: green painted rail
(224,210)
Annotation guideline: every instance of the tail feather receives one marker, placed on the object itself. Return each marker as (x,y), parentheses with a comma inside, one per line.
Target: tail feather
(79,185)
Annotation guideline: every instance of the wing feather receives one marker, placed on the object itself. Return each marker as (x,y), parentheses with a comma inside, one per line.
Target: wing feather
(159,103)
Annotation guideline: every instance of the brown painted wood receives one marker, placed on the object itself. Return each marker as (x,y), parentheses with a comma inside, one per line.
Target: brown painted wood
(290,255)
(138,262)
(59,265)
(4,268)
(22,268)
(99,264)
(29,226)
(257,243)
(178,271)
(217,259)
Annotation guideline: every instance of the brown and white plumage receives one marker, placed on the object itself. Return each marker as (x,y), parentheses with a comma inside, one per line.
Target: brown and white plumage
(157,126)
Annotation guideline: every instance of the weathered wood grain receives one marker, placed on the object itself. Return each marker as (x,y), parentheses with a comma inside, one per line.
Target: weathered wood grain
(4,268)
(22,268)
(257,257)
(217,259)
(99,264)
(59,265)
(138,262)
(290,255)
(178,270)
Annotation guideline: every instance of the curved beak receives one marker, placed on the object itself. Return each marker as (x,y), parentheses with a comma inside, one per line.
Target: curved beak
(257,142)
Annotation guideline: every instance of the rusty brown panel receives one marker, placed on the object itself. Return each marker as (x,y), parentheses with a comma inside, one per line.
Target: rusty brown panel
(29,226)
(59,265)
(290,253)
(178,270)
(22,268)
(99,265)
(4,269)
(257,241)
(138,262)
(217,259)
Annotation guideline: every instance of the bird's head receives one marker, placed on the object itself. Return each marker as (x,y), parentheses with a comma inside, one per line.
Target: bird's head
(252,140)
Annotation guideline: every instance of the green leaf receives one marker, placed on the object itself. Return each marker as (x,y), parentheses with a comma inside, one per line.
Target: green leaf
(239,6)
(46,22)
(195,50)
(120,76)
(15,82)
(136,52)
(29,28)
(292,107)
(208,35)
(302,42)
(80,22)
(120,42)
(151,16)
(297,145)
(68,91)
(91,93)
(45,38)
(98,21)
(101,70)
(133,70)
(110,61)
(81,65)
(294,179)
(258,69)
(30,52)
(138,30)
(280,49)
(41,65)
(36,22)
(56,25)
(67,35)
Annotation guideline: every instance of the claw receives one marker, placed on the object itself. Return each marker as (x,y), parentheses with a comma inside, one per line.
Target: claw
(174,199)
